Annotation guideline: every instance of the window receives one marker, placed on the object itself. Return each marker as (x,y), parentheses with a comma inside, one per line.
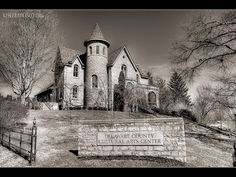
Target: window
(151,98)
(90,50)
(137,78)
(103,51)
(75,72)
(124,70)
(94,81)
(75,91)
(97,49)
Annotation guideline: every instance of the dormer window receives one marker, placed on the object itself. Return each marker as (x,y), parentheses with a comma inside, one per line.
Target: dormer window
(97,49)
(76,69)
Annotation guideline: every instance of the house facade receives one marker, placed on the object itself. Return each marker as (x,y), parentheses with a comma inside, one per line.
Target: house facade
(89,79)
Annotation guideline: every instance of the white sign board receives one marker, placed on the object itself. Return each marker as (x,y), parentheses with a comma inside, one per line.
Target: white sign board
(143,138)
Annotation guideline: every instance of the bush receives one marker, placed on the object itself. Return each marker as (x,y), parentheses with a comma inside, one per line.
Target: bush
(187,114)
(97,108)
(174,113)
(143,110)
(161,111)
(11,112)
(76,108)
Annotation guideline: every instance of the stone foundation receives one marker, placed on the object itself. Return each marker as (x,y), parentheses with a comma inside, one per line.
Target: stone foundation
(163,137)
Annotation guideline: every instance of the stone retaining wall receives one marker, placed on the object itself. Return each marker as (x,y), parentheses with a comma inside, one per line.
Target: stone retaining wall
(162,137)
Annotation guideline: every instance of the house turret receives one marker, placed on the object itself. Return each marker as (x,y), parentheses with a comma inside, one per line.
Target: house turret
(96,69)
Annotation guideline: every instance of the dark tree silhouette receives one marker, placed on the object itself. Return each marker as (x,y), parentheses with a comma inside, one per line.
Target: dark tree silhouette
(178,90)
(119,90)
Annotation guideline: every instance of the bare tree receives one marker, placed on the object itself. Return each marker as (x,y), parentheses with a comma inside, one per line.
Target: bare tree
(68,94)
(204,103)
(226,90)
(209,43)
(26,48)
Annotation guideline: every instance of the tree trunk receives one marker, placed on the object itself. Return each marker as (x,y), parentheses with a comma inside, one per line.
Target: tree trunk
(23,98)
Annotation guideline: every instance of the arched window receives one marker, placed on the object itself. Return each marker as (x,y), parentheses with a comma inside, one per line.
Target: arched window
(97,49)
(76,69)
(104,51)
(75,91)
(137,78)
(152,99)
(124,70)
(94,81)
(90,50)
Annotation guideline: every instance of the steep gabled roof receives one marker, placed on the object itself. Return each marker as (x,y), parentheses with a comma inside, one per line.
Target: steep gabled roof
(113,56)
(142,73)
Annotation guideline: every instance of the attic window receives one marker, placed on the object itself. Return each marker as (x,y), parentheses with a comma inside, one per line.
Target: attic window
(75,72)
(124,70)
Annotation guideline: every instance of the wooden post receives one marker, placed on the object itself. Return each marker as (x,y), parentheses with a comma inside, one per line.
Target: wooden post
(31,146)
(35,137)
(33,142)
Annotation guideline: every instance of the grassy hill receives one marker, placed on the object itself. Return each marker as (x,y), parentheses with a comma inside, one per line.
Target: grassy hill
(57,143)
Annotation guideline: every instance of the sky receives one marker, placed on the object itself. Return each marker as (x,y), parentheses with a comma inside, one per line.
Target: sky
(147,34)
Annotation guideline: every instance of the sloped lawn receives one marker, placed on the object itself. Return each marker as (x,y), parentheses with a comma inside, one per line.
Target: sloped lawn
(57,144)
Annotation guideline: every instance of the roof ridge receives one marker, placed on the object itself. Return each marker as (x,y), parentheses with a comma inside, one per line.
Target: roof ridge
(119,48)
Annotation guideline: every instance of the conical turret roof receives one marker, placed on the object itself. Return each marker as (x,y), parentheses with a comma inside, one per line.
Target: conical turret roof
(97,36)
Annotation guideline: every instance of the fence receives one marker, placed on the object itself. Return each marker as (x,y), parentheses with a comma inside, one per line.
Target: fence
(20,141)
